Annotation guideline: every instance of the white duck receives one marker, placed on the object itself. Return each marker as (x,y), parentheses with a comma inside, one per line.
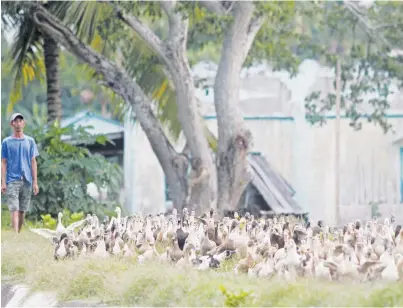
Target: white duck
(60,229)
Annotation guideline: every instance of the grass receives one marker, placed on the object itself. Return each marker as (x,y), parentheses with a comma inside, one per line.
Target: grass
(28,259)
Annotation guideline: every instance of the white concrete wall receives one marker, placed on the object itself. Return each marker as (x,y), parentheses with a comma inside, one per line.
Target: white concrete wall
(369,168)
(149,177)
(129,164)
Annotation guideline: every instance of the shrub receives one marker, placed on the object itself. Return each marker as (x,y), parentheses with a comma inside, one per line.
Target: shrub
(67,219)
(64,170)
(232,299)
(48,221)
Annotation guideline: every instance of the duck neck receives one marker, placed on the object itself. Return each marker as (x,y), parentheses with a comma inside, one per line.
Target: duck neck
(148,226)
(62,245)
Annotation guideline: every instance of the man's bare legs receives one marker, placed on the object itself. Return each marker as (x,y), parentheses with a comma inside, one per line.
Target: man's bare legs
(15,221)
(20,220)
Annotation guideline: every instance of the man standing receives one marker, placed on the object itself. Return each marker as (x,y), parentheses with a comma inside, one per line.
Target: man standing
(18,170)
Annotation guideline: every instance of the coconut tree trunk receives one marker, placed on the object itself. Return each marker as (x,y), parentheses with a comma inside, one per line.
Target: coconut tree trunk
(51,51)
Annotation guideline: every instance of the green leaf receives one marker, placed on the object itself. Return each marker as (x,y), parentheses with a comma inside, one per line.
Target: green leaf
(101,139)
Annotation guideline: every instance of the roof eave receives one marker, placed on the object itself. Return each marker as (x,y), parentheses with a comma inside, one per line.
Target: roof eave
(112,136)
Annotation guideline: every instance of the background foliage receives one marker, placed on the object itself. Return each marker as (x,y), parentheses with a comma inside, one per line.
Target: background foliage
(64,170)
(75,78)
(363,43)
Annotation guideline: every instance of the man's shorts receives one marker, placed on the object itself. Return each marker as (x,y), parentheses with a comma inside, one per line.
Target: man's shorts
(19,195)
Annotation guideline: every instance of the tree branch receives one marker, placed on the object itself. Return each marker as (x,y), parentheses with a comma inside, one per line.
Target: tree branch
(254,28)
(214,7)
(245,26)
(385,26)
(141,29)
(164,49)
(241,32)
(178,25)
(368,28)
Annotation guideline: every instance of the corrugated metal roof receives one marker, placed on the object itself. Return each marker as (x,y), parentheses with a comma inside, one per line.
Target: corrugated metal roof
(100,125)
(275,190)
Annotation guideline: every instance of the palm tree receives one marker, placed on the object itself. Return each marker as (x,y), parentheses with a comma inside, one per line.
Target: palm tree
(51,53)
(34,55)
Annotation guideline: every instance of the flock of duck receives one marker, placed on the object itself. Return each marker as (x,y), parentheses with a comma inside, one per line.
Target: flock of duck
(283,246)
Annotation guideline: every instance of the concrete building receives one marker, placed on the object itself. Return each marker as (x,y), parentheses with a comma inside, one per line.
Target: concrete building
(371,162)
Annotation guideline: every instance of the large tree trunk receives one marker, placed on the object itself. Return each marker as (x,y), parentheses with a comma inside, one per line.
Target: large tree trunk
(51,51)
(234,139)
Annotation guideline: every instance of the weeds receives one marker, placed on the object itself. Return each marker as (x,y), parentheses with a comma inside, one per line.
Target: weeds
(232,299)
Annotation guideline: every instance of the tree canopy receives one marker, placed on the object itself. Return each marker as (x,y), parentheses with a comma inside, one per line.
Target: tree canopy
(363,39)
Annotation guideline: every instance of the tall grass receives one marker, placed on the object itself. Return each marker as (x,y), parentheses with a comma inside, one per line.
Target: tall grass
(28,258)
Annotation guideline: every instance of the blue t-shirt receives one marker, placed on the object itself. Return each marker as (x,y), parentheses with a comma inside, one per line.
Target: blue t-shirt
(19,153)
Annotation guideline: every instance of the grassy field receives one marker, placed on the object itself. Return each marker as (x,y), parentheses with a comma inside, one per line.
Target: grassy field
(28,259)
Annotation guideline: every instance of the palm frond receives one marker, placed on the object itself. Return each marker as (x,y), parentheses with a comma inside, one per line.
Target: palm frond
(86,16)
(26,50)
(10,14)
(28,62)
